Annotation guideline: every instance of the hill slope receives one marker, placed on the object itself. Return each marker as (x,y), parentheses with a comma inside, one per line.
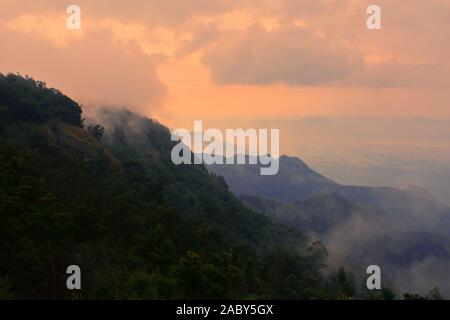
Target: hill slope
(138,226)
(403,231)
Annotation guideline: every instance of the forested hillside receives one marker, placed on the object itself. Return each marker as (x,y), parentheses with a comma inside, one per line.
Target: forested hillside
(110,200)
(405,232)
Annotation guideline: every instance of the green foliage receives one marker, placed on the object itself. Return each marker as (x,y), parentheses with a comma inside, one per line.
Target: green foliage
(413,296)
(385,293)
(5,290)
(137,225)
(96,131)
(434,294)
(342,283)
(29,100)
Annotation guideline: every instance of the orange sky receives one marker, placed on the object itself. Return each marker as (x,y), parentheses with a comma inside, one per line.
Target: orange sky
(217,60)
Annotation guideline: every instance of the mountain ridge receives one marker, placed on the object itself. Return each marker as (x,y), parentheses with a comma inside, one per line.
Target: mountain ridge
(138,226)
(356,223)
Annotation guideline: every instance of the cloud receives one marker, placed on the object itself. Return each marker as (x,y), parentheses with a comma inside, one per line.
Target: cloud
(289,55)
(153,12)
(392,73)
(92,68)
(317,50)
(299,56)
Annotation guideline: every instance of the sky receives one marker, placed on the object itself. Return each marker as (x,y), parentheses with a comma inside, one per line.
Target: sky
(245,62)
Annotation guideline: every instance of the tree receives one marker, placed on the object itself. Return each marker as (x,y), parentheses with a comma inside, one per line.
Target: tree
(343,284)
(96,131)
(5,289)
(435,294)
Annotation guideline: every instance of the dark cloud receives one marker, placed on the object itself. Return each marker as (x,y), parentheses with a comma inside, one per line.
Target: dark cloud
(299,56)
(289,55)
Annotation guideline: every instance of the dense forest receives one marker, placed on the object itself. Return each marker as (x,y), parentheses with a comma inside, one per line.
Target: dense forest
(108,198)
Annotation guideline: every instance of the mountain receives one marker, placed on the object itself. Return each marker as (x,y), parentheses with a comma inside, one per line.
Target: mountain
(294,181)
(403,231)
(307,215)
(103,194)
(297,182)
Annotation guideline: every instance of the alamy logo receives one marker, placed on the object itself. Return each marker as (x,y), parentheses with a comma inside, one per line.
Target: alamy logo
(374,20)
(374,280)
(74,280)
(231,150)
(73,21)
